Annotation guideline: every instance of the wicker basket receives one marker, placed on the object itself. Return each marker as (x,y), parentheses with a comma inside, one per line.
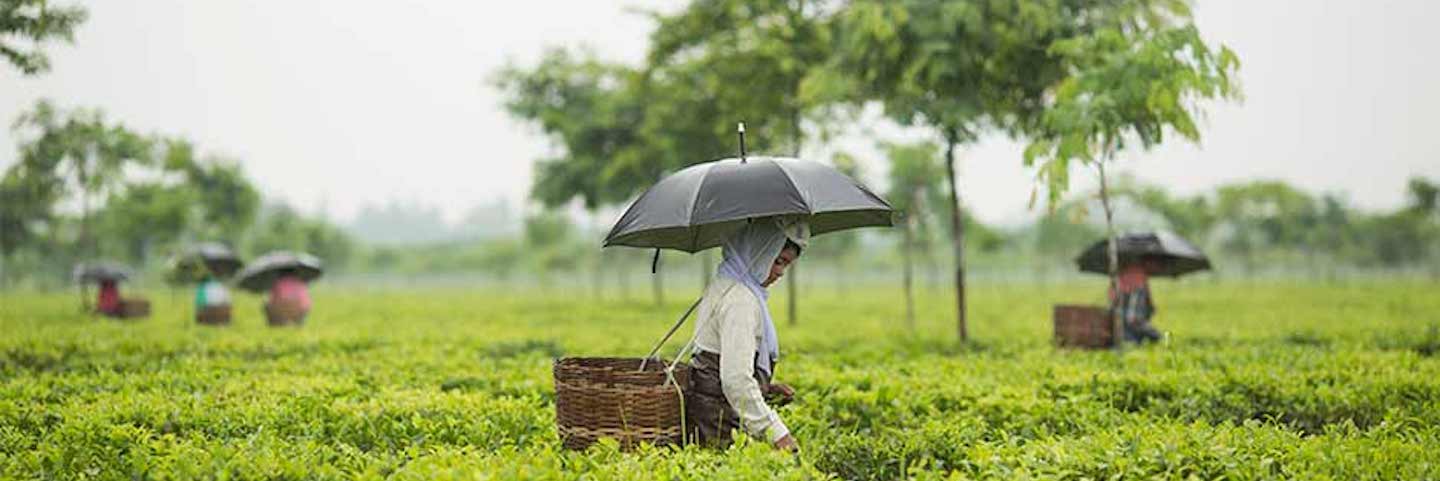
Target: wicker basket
(281,314)
(213,315)
(1085,327)
(134,308)
(611,398)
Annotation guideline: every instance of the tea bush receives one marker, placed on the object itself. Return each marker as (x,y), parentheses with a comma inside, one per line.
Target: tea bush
(1256,381)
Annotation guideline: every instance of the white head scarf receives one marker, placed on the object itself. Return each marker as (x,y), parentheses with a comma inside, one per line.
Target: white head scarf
(748,255)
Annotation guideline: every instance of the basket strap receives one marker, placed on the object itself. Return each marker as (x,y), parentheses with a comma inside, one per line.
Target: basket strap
(673,328)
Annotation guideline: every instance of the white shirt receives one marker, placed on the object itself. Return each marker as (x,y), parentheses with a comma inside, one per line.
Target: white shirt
(728,324)
(215,294)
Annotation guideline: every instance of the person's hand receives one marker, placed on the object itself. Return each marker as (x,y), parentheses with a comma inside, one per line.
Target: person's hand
(779,394)
(787,444)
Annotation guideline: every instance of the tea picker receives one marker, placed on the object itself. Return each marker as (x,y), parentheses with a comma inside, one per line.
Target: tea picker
(109,275)
(285,276)
(1138,257)
(762,210)
(206,265)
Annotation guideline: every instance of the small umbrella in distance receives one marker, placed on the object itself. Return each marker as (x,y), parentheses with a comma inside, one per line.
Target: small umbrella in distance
(1173,256)
(261,273)
(100,271)
(195,261)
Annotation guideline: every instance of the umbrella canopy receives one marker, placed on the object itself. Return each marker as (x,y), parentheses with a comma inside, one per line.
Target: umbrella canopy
(217,258)
(1174,256)
(699,207)
(261,273)
(97,271)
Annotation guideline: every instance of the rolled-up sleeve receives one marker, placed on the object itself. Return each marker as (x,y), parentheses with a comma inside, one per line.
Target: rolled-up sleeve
(738,339)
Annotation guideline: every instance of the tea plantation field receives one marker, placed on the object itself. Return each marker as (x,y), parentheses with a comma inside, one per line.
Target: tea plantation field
(1257,381)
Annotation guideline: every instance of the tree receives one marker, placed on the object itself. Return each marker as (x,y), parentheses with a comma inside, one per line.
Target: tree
(225,199)
(1424,195)
(27,200)
(915,184)
(145,216)
(960,68)
(280,227)
(1127,85)
(593,111)
(36,23)
(753,59)
(1264,214)
(83,148)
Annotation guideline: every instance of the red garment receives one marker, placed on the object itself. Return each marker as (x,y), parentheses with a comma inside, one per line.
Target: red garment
(290,290)
(109,302)
(1131,277)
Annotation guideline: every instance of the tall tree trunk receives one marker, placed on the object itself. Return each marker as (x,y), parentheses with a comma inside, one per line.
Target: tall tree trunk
(86,250)
(1117,331)
(907,254)
(957,233)
(792,287)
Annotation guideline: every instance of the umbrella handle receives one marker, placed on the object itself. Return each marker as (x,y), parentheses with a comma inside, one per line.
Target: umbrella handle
(655,261)
(673,328)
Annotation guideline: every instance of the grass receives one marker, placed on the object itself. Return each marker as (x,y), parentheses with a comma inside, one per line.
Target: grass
(1257,381)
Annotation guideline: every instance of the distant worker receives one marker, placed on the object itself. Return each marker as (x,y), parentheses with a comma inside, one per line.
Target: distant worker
(1134,304)
(212,302)
(289,300)
(285,277)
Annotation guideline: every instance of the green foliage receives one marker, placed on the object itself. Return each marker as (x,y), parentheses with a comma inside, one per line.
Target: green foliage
(146,216)
(33,23)
(144,196)
(1128,85)
(1258,381)
(280,227)
(591,110)
(753,59)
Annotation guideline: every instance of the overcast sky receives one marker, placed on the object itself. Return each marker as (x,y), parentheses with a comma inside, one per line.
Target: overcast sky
(337,104)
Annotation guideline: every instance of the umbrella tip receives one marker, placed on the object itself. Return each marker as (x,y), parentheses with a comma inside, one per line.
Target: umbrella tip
(740,129)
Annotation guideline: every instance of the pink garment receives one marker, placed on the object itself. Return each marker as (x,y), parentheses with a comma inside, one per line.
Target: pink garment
(290,290)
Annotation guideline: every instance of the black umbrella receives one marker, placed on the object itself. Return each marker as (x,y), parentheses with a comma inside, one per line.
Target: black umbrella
(98,271)
(261,273)
(1173,256)
(699,207)
(217,258)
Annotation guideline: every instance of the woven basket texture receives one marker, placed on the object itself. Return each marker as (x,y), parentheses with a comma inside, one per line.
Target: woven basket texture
(1086,327)
(612,398)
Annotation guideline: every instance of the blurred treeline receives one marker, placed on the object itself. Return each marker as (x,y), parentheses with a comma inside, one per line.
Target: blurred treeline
(85,187)
(88,187)
(1077,80)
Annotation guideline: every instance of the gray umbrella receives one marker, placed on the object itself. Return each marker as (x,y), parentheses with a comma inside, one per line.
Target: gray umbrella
(1173,255)
(699,207)
(262,272)
(97,271)
(215,257)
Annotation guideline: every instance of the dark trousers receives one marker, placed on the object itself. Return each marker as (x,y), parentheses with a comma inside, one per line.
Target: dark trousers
(709,418)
